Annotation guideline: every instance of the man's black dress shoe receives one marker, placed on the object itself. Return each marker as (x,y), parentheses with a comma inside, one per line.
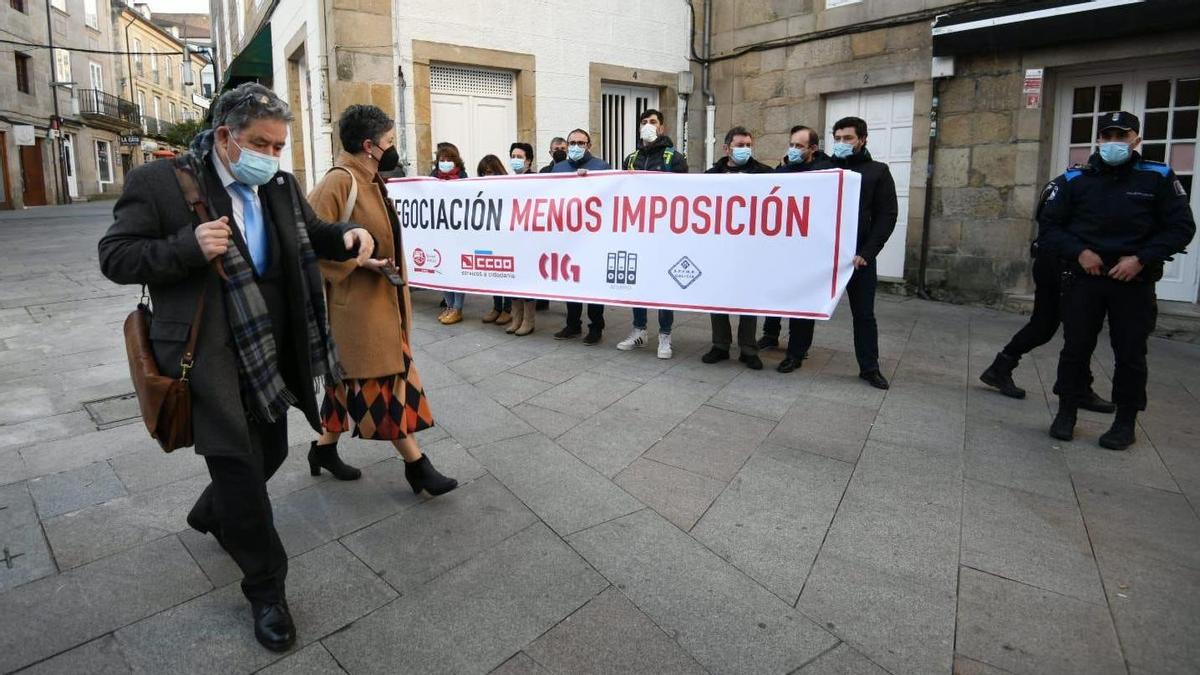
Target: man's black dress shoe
(273,627)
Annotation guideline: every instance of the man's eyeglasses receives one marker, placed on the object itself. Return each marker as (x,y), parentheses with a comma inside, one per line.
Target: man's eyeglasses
(582,144)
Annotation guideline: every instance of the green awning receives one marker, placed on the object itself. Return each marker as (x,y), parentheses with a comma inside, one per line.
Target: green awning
(252,64)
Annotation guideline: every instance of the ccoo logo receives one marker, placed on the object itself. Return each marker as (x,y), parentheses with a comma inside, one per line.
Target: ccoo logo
(558,267)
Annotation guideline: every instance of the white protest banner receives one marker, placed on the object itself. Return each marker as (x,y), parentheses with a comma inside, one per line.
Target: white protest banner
(777,244)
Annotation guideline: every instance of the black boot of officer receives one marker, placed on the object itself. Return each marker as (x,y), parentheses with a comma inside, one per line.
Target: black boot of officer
(999,375)
(1063,426)
(1121,435)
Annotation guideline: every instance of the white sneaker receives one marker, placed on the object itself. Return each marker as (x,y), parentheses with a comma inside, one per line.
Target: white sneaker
(664,346)
(635,340)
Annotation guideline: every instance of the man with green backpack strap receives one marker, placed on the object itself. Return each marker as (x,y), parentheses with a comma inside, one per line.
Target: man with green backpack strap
(656,152)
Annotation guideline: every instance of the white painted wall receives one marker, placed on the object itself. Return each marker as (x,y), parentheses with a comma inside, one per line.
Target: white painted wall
(319,143)
(565,36)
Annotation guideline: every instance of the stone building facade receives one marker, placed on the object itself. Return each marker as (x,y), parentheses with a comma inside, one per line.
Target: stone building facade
(776,64)
(518,71)
(80,160)
(160,77)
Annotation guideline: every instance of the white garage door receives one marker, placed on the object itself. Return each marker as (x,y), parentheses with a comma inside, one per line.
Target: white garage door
(475,109)
(889,114)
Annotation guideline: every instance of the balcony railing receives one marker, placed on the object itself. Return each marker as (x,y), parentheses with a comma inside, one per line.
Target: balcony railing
(156,127)
(98,104)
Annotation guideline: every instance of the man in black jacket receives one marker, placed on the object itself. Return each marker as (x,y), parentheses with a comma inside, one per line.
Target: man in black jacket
(877,212)
(804,154)
(263,338)
(656,152)
(739,158)
(1114,223)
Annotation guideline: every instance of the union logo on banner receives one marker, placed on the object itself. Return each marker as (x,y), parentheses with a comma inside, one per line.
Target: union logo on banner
(425,261)
(486,263)
(685,273)
(558,267)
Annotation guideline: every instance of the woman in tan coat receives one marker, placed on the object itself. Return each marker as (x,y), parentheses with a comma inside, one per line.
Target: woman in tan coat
(369,314)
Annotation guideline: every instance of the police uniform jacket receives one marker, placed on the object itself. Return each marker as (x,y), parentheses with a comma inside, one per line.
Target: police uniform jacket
(1136,208)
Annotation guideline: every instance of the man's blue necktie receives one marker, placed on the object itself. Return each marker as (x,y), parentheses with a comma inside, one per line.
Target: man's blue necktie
(253,229)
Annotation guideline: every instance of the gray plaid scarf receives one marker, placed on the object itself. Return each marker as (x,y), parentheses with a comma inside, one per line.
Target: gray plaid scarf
(264,392)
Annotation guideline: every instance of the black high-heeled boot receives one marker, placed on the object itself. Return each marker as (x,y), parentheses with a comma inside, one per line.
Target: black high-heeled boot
(326,457)
(422,476)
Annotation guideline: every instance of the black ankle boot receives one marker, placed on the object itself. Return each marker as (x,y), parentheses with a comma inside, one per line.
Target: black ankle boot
(422,476)
(1063,427)
(1092,401)
(999,375)
(326,457)
(1121,435)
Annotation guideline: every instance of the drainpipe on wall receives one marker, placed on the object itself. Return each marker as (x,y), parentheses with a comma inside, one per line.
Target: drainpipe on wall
(922,288)
(710,108)
(402,119)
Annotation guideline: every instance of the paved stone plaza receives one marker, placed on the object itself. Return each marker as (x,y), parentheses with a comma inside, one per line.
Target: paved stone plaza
(617,513)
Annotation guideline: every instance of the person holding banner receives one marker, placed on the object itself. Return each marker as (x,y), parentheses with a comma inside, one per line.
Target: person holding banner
(450,167)
(656,152)
(877,213)
(739,158)
(521,321)
(580,160)
(370,313)
(804,154)
(520,160)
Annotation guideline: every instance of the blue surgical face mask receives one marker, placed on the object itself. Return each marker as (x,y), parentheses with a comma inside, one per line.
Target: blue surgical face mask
(842,150)
(517,164)
(445,167)
(1114,153)
(740,155)
(575,152)
(253,168)
(795,155)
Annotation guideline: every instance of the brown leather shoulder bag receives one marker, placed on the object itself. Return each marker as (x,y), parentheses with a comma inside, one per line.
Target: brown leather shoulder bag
(166,402)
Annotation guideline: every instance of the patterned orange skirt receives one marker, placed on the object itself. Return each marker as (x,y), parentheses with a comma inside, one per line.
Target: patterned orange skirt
(379,408)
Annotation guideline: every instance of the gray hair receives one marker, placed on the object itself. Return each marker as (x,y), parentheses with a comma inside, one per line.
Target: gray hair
(560,139)
(248,102)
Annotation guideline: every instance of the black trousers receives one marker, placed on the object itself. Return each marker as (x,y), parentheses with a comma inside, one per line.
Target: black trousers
(800,334)
(722,333)
(236,508)
(575,315)
(501,303)
(1131,308)
(861,292)
(1044,321)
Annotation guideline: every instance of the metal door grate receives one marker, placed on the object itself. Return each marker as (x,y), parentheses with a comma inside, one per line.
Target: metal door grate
(470,81)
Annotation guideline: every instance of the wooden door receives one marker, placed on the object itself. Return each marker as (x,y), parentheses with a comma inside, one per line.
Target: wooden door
(33,181)
(6,201)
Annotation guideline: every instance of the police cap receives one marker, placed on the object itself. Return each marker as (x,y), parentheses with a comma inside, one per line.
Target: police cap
(1118,120)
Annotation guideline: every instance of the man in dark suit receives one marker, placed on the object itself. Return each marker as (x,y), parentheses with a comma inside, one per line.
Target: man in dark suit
(263,338)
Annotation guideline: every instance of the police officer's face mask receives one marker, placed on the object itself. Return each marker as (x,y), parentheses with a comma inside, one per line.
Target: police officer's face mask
(1114,153)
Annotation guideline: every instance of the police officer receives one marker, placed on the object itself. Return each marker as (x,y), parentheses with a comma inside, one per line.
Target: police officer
(1113,222)
(1043,324)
